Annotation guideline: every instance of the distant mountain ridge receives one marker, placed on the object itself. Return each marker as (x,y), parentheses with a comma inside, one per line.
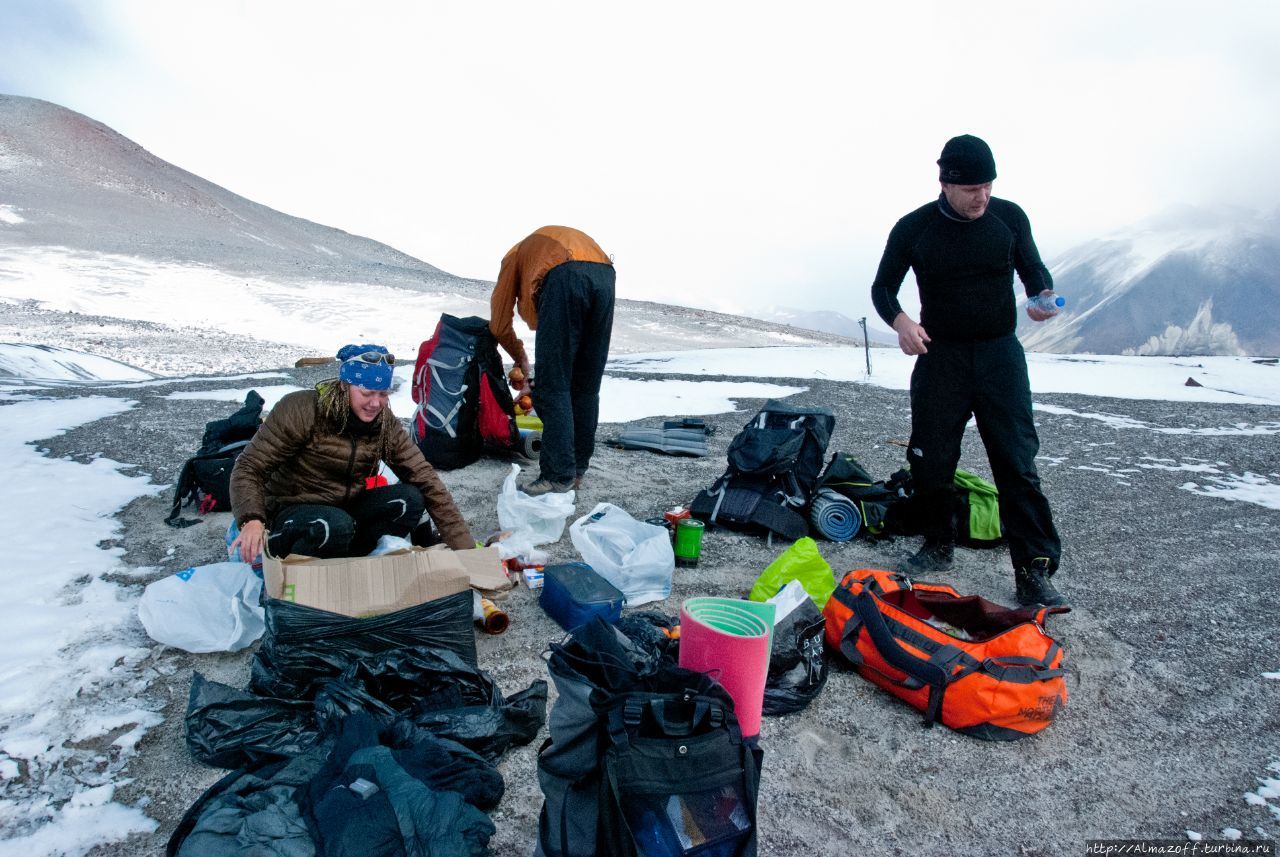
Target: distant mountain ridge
(826,322)
(81,200)
(69,181)
(1191,281)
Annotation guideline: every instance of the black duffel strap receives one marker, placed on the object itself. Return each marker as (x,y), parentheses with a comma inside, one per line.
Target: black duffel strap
(934,671)
(182,490)
(1023,669)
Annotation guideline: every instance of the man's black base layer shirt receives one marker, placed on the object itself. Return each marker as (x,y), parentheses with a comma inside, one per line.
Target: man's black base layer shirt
(964,269)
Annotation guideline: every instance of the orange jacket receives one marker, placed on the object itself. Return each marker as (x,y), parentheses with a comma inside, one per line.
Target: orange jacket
(523,269)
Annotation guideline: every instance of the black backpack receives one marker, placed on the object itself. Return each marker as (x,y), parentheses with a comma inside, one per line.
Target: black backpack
(464,407)
(205,478)
(773,470)
(644,757)
(908,517)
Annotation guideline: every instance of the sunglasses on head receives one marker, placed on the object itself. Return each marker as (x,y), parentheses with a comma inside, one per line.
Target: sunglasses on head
(375,357)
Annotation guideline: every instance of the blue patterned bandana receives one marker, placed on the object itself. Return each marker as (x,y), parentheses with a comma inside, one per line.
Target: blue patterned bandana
(367,366)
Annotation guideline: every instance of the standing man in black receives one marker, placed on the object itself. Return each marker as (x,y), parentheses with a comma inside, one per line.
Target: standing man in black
(964,248)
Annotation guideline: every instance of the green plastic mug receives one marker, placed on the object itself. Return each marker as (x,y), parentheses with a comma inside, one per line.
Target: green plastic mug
(688,541)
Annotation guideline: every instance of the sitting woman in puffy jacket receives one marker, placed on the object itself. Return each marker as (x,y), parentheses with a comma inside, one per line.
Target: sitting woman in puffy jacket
(312,471)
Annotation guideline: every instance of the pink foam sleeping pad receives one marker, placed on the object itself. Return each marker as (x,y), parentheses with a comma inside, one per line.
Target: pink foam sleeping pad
(729,640)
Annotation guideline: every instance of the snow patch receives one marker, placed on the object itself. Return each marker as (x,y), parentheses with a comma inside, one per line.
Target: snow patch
(1245,487)
(47,363)
(270,395)
(70,649)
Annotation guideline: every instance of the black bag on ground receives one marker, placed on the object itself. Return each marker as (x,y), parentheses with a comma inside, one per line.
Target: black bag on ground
(205,478)
(874,500)
(411,688)
(229,728)
(773,470)
(974,507)
(303,645)
(644,757)
(464,407)
(797,661)
(437,691)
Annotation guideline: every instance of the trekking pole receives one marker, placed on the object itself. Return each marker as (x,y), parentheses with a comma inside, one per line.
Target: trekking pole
(866,343)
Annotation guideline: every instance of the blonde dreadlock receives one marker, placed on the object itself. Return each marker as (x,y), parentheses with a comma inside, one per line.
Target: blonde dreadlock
(335,408)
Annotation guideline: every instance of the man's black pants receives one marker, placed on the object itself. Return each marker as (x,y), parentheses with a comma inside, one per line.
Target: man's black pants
(987,380)
(575,322)
(350,530)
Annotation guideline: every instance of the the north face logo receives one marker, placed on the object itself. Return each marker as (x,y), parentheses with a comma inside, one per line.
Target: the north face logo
(1046,708)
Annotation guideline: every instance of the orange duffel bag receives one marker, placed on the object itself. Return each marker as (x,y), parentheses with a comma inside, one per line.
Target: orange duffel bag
(988,671)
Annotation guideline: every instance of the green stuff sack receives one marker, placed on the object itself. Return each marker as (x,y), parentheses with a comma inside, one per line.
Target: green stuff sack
(800,562)
(983,502)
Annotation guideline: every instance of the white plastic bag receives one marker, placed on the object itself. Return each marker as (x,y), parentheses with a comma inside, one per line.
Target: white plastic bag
(209,608)
(532,520)
(390,544)
(634,556)
(787,599)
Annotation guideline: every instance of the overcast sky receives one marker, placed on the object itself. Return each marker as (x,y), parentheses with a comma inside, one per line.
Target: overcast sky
(730,155)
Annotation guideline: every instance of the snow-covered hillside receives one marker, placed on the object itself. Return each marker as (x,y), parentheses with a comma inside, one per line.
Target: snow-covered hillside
(1192,281)
(120,253)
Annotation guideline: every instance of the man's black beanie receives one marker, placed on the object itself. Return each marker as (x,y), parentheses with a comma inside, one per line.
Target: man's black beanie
(966,160)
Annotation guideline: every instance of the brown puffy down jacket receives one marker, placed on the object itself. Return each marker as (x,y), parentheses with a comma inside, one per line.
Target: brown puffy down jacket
(298,457)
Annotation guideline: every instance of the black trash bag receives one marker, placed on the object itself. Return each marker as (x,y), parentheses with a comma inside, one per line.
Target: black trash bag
(426,788)
(651,631)
(437,691)
(797,661)
(303,646)
(228,728)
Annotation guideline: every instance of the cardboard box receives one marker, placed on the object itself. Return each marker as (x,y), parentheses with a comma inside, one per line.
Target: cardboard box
(484,568)
(371,586)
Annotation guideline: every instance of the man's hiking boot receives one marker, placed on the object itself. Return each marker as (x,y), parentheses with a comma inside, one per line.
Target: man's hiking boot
(935,556)
(1034,586)
(541,486)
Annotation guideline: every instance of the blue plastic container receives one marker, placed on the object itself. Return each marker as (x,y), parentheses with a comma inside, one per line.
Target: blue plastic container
(573,593)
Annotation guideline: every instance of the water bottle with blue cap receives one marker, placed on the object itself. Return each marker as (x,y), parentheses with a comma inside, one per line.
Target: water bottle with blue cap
(1047,302)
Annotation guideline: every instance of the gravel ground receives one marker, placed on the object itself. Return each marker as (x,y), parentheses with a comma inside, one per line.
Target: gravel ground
(1169,722)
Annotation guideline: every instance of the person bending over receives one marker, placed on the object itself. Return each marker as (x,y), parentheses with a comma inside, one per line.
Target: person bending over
(562,284)
(312,471)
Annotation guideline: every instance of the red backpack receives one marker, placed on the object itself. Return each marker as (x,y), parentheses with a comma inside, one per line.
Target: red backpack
(463,405)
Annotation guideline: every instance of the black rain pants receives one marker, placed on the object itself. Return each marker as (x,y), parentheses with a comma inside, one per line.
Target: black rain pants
(352,529)
(988,381)
(575,322)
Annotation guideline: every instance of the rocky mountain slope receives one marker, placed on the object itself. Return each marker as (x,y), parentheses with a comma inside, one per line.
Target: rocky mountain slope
(1193,281)
(80,202)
